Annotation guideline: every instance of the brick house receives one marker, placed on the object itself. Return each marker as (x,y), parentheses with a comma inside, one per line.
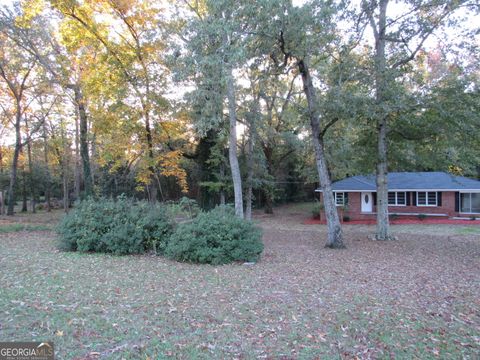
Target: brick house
(409,193)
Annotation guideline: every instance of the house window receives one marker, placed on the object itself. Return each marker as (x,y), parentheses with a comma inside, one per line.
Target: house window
(339,198)
(397,198)
(470,203)
(427,198)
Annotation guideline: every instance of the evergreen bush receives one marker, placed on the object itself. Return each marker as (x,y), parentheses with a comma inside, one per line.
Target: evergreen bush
(317,209)
(119,227)
(216,237)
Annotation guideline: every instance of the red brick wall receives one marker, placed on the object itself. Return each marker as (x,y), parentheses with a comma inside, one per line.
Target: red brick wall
(355,207)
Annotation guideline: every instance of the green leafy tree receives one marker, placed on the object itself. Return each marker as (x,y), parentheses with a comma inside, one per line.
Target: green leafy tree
(215,43)
(398,38)
(16,74)
(302,36)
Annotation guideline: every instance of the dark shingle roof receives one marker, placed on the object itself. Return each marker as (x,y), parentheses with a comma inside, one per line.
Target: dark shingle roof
(409,181)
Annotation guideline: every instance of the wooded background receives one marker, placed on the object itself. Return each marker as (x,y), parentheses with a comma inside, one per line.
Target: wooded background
(250,102)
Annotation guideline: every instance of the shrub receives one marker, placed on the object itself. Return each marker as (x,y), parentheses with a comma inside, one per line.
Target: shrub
(119,227)
(346,218)
(317,209)
(394,216)
(216,237)
(189,206)
(184,208)
(422,216)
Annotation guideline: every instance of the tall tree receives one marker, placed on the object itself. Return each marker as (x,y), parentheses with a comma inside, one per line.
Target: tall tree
(279,124)
(398,38)
(215,38)
(444,134)
(302,36)
(135,53)
(16,67)
(65,61)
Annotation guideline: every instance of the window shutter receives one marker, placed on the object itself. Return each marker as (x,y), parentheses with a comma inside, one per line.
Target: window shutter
(439,198)
(457,202)
(375,198)
(408,198)
(414,198)
(345,197)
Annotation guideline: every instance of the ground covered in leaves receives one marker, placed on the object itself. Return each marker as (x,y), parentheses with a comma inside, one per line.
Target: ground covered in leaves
(418,297)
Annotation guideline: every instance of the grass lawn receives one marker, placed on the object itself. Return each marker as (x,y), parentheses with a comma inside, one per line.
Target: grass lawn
(418,297)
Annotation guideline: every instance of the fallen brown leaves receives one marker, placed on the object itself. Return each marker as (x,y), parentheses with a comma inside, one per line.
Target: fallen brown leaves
(418,297)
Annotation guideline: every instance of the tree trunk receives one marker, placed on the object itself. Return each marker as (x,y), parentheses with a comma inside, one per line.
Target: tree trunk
(83,120)
(152,186)
(47,168)
(335,236)
(93,163)
(16,154)
(268,208)
(232,149)
(24,190)
(152,191)
(269,189)
(2,203)
(33,192)
(383,224)
(159,184)
(66,199)
(77,170)
(202,156)
(64,165)
(249,193)
(222,190)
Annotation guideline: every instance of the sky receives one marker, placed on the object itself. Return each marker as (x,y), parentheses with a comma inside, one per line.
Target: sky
(394,8)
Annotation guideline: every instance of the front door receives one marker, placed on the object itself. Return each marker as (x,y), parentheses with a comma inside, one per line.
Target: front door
(367,202)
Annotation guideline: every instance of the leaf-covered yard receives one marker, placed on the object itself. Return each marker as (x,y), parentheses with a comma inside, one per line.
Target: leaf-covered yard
(418,297)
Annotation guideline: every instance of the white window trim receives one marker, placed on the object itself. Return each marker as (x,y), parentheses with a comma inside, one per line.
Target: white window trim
(343,199)
(396,198)
(426,199)
(460,205)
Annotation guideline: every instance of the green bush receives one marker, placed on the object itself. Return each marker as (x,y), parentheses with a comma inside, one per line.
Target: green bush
(184,208)
(394,216)
(317,209)
(118,227)
(189,206)
(216,237)
(422,216)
